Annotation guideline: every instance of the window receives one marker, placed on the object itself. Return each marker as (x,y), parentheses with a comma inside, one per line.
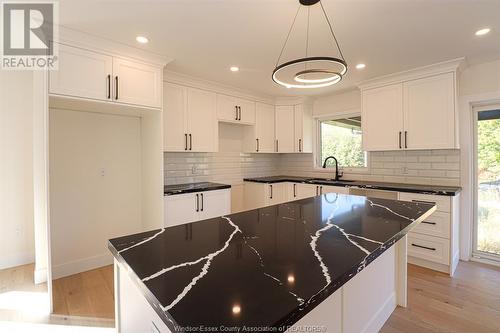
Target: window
(341,137)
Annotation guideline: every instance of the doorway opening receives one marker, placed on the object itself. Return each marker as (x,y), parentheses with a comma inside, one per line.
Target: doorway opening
(487,183)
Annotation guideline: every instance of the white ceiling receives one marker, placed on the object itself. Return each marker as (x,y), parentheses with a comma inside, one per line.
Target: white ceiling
(206,37)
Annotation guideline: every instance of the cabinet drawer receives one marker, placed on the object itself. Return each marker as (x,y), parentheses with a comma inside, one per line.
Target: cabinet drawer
(429,248)
(438,224)
(443,202)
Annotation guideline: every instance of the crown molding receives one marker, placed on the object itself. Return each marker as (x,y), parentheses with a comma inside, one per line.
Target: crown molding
(416,73)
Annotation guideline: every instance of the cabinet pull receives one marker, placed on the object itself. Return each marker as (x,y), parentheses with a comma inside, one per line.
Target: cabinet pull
(321,190)
(185,141)
(236,110)
(190,142)
(239,111)
(108,79)
(116,87)
(271,188)
(202,201)
(300,145)
(406,139)
(424,202)
(423,247)
(400,146)
(432,223)
(257,145)
(277,146)
(197,202)
(294,190)
(317,190)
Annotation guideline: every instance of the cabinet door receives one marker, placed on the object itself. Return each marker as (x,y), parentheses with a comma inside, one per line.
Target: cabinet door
(276,193)
(227,109)
(202,121)
(215,204)
(247,111)
(382,118)
(136,83)
(429,112)
(303,130)
(180,209)
(82,74)
(306,191)
(265,127)
(334,189)
(174,117)
(285,126)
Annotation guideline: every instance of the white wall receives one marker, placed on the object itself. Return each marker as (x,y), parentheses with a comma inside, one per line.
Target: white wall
(16,168)
(480,78)
(95,186)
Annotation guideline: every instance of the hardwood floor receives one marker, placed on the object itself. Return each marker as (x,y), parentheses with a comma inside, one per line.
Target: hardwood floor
(88,294)
(469,302)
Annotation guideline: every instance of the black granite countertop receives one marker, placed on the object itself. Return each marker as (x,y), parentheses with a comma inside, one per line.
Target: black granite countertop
(266,267)
(193,187)
(399,187)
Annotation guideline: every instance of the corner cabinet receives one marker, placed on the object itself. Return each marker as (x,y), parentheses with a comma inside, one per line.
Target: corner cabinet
(417,113)
(260,138)
(98,76)
(189,119)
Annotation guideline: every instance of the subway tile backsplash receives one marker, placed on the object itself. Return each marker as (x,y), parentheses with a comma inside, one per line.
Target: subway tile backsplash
(437,167)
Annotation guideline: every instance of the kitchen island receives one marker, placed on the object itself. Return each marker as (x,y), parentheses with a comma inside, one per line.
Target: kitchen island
(332,263)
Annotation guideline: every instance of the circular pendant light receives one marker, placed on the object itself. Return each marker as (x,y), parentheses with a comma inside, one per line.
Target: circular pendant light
(310,71)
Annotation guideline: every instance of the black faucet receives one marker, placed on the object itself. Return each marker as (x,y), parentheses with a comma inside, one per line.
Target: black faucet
(337,176)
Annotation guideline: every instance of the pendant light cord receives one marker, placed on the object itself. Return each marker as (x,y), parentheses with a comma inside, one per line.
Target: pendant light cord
(288,36)
(331,30)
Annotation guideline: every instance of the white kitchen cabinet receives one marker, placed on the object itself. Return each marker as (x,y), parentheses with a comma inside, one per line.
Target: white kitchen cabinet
(189,120)
(275,194)
(416,110)
(174,117)
(259,195)
(303,129)
(260,138)
(235,110)
(93,75)
(299,191)
(82,73)
(429,112)
(334,189)
(382,118)
(285,129)
(202,125)
(136,83)
(191,207)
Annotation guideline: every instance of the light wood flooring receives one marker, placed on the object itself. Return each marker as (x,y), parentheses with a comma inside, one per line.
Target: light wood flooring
(88,294)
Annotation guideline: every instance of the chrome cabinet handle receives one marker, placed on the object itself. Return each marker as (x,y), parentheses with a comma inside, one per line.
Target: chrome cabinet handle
(423,247)
(116,87)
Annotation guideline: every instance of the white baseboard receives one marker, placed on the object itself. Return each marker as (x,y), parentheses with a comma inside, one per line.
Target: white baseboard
(40,275)
(379,319)
(81,265)
(17,259)
(428,264)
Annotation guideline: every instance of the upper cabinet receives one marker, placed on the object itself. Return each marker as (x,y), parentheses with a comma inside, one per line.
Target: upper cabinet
(293,129)
(416,113)
(93,75)
(303,129)
(235,110)
(189,119)
(260,138)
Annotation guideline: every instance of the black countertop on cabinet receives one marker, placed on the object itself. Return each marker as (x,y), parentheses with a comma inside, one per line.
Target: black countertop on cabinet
(266,267)
(399,187)
(193,187)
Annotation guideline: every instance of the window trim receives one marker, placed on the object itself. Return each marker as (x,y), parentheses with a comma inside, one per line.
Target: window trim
(317,141)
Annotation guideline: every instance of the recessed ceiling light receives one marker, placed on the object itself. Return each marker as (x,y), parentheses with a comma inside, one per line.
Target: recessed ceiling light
(141,39)
(483,32)
(360,66)
(234,69)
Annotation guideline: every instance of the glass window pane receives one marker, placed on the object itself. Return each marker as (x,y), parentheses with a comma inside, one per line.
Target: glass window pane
(342,138)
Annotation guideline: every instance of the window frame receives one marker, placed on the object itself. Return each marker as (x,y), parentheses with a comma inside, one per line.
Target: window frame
(317,142)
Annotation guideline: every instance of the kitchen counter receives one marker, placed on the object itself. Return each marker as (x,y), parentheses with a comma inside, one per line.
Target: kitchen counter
(193,187)
(265,268)
(399,187)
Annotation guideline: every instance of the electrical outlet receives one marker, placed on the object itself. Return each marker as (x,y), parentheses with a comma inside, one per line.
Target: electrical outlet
(194,169)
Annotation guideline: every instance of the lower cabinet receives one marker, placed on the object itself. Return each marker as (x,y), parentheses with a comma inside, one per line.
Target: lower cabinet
(191,207)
